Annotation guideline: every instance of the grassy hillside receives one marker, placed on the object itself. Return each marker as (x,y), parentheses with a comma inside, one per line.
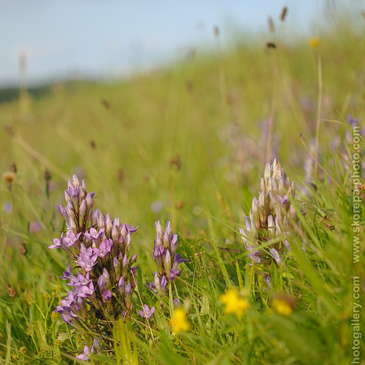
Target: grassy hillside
(189,144)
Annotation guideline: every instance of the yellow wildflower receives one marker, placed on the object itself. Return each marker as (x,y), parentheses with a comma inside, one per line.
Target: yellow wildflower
(314,42)
(178,321)
(282,307)
(233,303)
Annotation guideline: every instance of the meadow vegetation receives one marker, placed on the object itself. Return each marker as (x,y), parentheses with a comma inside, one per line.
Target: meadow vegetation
(188,144)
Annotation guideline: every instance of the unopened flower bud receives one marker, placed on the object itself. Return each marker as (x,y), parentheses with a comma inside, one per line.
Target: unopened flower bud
(271,226)
(124,231)
(134,258)
(173,245)
(108,226)
(128,290)
(157,281)
(115,231)
(128,240)
(125,263)
(89,201)
(82,212)
(167,235)
(267,171)
(167,261)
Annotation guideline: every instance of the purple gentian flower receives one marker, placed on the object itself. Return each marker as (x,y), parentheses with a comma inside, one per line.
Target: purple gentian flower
(67,275)
(283,200)
(57,243)
(107,295)
(173,274)
(128,289)
(268,280)
(121,285)
(134,270)
(146,313)
(87,258)
(275,255)
(105,247)
(68,317)
(163,282)
(86,291)
(71,238)
(93,234)
(80,280)
(104,280)
(85,356)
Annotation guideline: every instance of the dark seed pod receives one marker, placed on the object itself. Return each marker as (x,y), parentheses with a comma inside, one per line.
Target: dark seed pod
(11,292)
(23,249)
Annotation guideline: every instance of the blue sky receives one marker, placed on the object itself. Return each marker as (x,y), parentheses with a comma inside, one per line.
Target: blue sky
(107,38)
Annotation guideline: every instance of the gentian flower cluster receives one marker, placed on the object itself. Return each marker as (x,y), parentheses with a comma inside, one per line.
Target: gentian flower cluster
(102,276)
(166,258)
(272,217)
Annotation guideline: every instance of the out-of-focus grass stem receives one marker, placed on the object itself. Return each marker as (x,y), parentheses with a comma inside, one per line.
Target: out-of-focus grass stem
(319,103)
(221,75)
(318,118)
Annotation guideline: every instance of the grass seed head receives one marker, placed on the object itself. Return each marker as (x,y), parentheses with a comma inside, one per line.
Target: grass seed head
(9,177)
(284,13)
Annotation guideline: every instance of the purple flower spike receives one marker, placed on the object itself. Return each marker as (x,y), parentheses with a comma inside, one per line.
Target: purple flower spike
(164,254)
(91,241)
(146,313)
